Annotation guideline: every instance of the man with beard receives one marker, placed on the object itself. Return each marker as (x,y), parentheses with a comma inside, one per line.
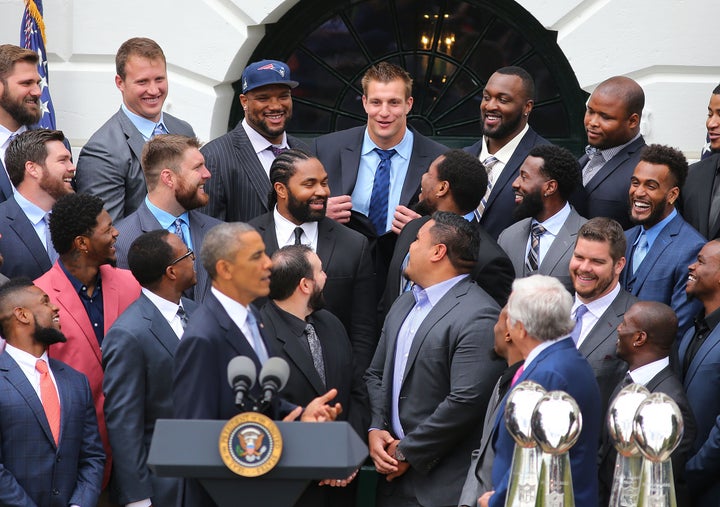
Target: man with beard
(41,169)
(20,107)
(109,164)
(176,175)
(612,122)
(662,244)
(600,302)
(450,184)
(87,288)
(507,101)
(298,202)
(240,160)
(51,449)
(317,349)
(542,241)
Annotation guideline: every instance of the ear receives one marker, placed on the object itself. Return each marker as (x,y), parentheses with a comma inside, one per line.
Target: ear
(528,107)
(364,102)
(439,252)
(305,286)
(640,339)
(119,83)
(280,190)
(81,244)
(633,120)
(673,195)
(619,265)
(443,189)
(22,315)
(33,169)
(223,269)
(167,177)
(170,273)
(243,101)
(409,103)
(551,187)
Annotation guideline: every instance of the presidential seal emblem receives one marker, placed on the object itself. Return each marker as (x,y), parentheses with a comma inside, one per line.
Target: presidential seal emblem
(250,444)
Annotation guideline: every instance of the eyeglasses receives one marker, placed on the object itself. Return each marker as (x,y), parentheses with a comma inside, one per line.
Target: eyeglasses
(189,253)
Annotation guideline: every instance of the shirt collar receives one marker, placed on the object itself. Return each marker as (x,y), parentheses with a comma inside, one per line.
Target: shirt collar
(597,306)
(645,374)
(556,222)
(5,134)
(435,292)
(236,311)
(297,326)
(503,154)
(609,153)
(32,211)
(145,126)
(166,219)
(652,233)
(403,148)
(539,348)
(168,309)
(286,229)
(77,284)
(711,320)
(258,142)
(25,359)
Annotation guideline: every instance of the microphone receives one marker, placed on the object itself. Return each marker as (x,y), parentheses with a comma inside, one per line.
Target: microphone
(273,377)
(241,374)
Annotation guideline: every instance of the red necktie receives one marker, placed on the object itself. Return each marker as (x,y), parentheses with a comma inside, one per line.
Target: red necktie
(517,374)
(49,399)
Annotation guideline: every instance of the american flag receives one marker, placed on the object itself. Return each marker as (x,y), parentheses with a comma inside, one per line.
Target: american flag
(32,36)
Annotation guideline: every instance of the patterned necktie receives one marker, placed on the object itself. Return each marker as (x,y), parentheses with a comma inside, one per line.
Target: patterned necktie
(183,316)
(159,130)
(275,150)
(595,162)
(641,250)
(488,163)
(49,399)
(533,256)
(381,187)
(315,350)
(52,254)
(581,310)
(517,374)
(178,223)
(298,235)
(257,342)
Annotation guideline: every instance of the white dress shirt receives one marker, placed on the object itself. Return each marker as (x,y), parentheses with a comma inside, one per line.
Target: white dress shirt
(285,232)
(596,309)
(238,314)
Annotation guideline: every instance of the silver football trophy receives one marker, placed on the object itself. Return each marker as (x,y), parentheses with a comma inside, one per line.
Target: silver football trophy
(523,482)
(658,429)
(628,464)
(556,425)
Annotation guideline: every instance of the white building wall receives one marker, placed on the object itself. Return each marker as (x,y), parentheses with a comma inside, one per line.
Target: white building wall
(666,45)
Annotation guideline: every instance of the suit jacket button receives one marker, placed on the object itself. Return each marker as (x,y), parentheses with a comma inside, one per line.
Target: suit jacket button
(55,492)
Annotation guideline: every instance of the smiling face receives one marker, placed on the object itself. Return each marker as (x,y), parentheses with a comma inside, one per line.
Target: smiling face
(429,186)
(145,86)
(652,193)
(268,109)
(56,174)
(190,180)
(627,331)
(592,269)
(529,187)
(304,199)
(20,96)
(704,274)
(504,107)
(101,241)
(713,121)
(387,108)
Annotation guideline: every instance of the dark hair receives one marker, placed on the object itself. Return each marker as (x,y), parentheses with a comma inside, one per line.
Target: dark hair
(163,151)
(716,90)
(459,237)
(559,165)
(384,72)
(10,54)
(137,46)
(525,77)
(29,146)
(149,256)
(665,155)
(73,215)
(8,297)
(467,178)
(290,265)
(659,322)
(282,169)
(605,230)
(626,90)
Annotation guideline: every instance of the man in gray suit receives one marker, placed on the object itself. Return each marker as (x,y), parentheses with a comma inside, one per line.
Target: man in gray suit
(431,378)
(109,164)
(542,241)
(137,357)
(240,160)
(41,169)
(600,302)
(176,176)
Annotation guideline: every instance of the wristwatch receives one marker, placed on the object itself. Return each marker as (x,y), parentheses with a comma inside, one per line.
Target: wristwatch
(399,455)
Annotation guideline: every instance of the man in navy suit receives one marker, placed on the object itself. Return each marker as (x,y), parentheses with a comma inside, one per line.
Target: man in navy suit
(20,107)
(41,169)
(539,324)
(109,164)
(612,123)
(137,357)
(176,177)
(507,101)
(662,244)
(697,366)
(50,449)
(240,160)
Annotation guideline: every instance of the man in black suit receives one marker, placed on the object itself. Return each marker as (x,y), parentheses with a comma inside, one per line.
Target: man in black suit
(374,171)
(297,201)
(701,192)
(41,169)
(240,160)
(612,122)
(176,177)
(645,338)
(317,348)
(507,101)
(450,184)
(137,357)
(20,107)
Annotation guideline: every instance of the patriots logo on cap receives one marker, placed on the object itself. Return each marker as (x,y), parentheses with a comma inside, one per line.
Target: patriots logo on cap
(271,66)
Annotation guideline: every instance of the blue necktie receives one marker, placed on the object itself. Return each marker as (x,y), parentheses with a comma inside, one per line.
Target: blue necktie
(257,341)
(381,187)
(581,310)
(178,223)
(641,250)
(159,130)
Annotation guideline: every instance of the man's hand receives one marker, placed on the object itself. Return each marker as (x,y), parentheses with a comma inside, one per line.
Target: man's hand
(378,443)
(335,483)
(338,208)
(403,467)
(484,500)
(318,409)
(401,217)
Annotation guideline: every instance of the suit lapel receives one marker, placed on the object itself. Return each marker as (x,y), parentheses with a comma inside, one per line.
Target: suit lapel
(664,239)
(612,164)
(562,243)
(251,164)
(417,165)
(197,234)
(658,379)
(513,164)
(134,138)
(712,341)
(64,388)
(110,295)
(158,326)
(349,163)
(606,325)
(5,185)
(326,242)
(26,233)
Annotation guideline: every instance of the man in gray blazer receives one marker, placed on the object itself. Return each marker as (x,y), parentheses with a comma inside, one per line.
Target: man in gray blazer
(542,241)
(240,160)
(137,357)
(176,176)
(595,267)
(431,378)
(109,164)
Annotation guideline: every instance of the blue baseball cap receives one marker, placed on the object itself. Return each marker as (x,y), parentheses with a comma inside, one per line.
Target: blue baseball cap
(266,72)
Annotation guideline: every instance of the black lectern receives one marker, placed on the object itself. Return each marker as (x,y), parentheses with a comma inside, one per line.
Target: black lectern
(311,451)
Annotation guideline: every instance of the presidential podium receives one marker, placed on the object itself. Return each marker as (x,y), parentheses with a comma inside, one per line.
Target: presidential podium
(311,451)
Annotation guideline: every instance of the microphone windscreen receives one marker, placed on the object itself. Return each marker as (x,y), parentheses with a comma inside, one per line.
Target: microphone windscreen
(275,367)
(241,366)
